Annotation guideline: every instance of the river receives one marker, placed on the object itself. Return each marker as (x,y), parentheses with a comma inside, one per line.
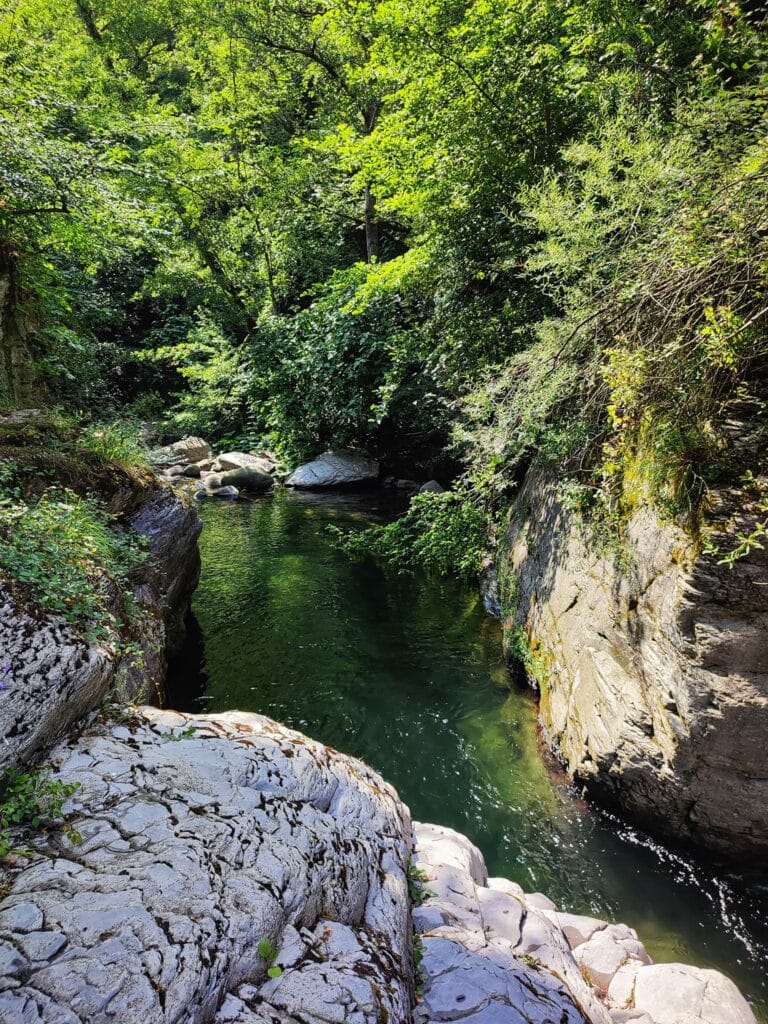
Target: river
(406,672)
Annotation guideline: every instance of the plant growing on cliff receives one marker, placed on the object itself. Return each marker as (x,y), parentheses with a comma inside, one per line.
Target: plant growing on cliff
(28,799)
(442,533)
(115,442)
(72,559)
(268,954)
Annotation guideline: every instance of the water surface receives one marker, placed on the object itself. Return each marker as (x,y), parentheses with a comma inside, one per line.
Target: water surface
(406,673)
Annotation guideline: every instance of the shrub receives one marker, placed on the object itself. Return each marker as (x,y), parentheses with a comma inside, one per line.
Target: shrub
(26,798)
(115,442)
(442,533)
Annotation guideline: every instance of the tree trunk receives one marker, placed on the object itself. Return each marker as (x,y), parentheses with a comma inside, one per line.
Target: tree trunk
(19,380)
(371,227)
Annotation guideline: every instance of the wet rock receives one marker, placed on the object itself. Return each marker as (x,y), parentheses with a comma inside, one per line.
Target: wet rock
(335,469)
(247,478)
(189,449)
(431,487)
(227,492)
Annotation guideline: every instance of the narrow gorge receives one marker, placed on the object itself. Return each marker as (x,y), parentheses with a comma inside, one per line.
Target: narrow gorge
(384,512)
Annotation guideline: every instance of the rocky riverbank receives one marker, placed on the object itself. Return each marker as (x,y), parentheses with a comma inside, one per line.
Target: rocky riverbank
(652,663)
(52,675)
(230,870)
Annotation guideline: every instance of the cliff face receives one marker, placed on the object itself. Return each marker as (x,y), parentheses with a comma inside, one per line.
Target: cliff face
(52,677)
(655,671)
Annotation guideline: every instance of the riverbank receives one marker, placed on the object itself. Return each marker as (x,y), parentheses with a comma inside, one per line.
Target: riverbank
(406,671)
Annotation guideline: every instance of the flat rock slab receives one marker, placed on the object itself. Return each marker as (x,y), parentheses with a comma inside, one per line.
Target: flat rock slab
(203,836)
(335,469)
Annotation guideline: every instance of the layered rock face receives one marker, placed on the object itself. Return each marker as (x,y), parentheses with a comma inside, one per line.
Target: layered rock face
(229,870)
(53,677)
(656,670)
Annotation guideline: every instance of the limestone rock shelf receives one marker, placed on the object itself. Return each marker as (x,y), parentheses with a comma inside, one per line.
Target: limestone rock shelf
(204,837)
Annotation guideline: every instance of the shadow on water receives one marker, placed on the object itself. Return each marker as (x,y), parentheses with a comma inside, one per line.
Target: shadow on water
(406,673)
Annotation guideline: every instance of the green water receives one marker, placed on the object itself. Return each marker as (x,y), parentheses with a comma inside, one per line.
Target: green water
(406,673)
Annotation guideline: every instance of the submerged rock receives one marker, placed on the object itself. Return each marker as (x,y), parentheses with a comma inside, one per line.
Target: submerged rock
(336,469)
(656,665)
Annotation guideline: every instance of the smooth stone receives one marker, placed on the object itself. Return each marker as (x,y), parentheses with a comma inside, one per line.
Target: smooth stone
(669,993)
(335,469)
(243,460)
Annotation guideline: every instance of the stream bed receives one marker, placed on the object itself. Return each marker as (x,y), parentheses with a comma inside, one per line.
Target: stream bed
(406,672)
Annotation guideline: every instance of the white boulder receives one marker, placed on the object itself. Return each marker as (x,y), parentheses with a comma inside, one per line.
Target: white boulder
(335,469)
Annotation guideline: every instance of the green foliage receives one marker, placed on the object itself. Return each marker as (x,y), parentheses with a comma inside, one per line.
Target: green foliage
(441,533)
(417,877)
(519,647)
(538,228)
(27,800)
(115,442)
(71,557)
(268,953)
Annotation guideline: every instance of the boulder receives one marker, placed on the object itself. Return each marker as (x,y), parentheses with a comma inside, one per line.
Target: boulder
(431,487)
(494,954)
(193,471)
(243,460)
(247,478)
(203,838)
(336,469)
(189,449)
(674,993)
